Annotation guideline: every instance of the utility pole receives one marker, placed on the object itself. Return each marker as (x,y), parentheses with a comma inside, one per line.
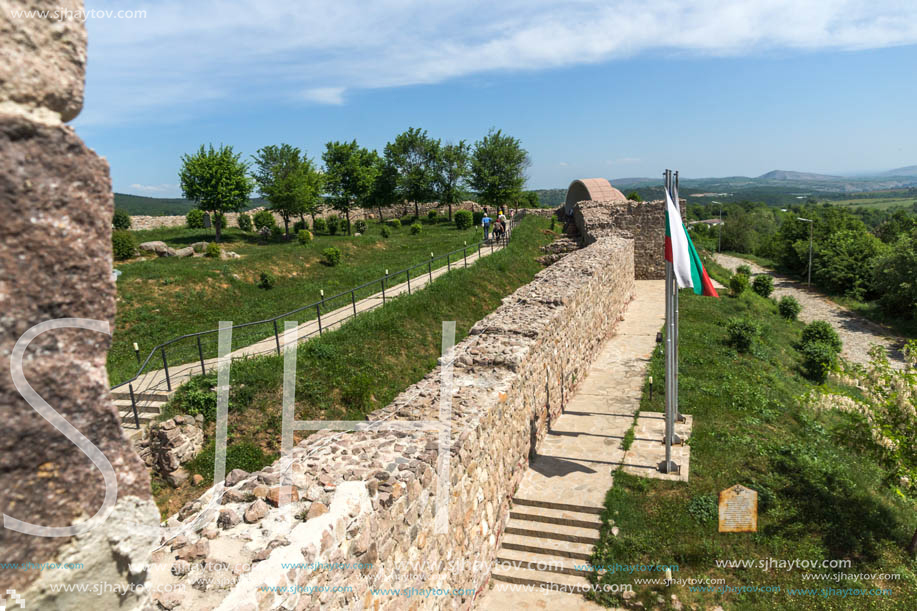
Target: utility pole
(811,223)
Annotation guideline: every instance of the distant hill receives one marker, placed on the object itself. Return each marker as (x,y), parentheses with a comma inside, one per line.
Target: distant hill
(790,175)
(910,170)
(161,206)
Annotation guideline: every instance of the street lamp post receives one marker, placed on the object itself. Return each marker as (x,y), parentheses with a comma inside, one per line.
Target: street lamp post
(719,229)
(811,223)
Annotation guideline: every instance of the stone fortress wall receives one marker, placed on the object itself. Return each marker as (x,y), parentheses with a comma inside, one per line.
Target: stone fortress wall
(367,499)
(56,262)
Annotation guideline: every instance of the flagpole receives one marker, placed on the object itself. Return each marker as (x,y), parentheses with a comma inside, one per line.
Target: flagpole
(675,409)
(668,466)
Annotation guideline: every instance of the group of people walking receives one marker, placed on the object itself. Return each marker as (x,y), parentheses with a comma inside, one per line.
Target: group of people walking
(498,225)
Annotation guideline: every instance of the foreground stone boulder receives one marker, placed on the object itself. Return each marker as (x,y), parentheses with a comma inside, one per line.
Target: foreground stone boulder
(56,262)
(158,247)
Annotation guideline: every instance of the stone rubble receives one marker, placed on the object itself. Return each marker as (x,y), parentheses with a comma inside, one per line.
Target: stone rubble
(170,444)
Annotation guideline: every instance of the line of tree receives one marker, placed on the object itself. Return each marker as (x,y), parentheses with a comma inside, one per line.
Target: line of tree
(414,167)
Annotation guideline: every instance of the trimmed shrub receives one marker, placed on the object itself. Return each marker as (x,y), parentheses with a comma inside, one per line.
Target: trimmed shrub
(304,236)
(477,217)
(334,224)
(212,250)
(820,331)
(123,244)
(385,232)
(332,256)
(320,226)
(394,223)
(744,269)
(789,308)
(266,280)
(463,219)
(299,226)
(742,333)
(416,228)
(818,359)
(738,284)
(245,222)
(264,219)
(763,285)
(432,214)
(359,226)
(121,219)
(276,232)
(195,218)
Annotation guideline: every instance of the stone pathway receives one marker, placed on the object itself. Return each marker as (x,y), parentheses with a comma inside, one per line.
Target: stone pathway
(555,519)
(857,333)
(151,391)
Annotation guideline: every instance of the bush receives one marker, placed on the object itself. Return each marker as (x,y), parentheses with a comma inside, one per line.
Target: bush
(334,224)
(332,256)
(123,244)
(245,222)
(553,222)
(266,280)
(820,331)
(121,219)
(299,226)
(416,228)
(744,269)
(276,232)
(304,236)
(742,333)
(195,218)
(196,397)
(264,219)
(320,226)
(738,284)
(393,223)
(359,226)
(477,217)
(763,284)
(789,307)
(385,232)
(463,219)
(431,215)
(212,250)
(241,455)
(818,358)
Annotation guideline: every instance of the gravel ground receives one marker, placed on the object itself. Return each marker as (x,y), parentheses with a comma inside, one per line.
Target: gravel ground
(857,333)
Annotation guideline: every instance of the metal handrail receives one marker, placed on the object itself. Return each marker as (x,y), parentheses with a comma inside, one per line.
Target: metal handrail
(161,348)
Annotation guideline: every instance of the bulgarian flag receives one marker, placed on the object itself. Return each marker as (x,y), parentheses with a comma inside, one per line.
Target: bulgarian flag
(680,252)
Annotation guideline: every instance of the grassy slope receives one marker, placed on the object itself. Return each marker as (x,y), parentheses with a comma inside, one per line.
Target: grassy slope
(816,498)
(363,365)
(159,299)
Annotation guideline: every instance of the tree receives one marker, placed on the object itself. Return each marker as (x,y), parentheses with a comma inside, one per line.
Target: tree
(384,192)
(498,168)
(282,174)
(530,199)
(450,171)
(413,156)
(217,180)
(350,171)
(634,197)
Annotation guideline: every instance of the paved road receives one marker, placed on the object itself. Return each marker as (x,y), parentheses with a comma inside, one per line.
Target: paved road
(857,333)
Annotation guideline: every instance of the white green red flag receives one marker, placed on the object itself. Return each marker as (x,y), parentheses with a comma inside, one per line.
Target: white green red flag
(680,252)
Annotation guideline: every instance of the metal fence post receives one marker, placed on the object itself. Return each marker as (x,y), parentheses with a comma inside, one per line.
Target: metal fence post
(165,365)
(430,269)
(318,312)
(200,353)
(383,291)
(276,336)
(448,263)
(409,280)
(465,255)
(130,387)
(353,300)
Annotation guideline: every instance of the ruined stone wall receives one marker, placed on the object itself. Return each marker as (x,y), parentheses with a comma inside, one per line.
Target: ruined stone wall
(644,221)
(56,262)
(368,498)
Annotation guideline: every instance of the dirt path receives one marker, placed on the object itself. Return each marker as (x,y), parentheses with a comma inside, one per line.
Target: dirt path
(857,333)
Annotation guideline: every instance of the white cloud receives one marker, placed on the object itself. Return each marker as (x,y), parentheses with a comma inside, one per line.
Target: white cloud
(164,188)
(563,164)
(315,51)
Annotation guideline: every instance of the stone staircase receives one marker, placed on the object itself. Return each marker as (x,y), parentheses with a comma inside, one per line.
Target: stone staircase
(545,542)
(149,406)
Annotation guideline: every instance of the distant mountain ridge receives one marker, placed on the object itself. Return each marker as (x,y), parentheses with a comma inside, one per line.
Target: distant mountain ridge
(910,170)
(140,205)
(791,175)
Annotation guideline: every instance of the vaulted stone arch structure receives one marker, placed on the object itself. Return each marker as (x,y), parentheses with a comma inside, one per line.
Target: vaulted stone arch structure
(594,189)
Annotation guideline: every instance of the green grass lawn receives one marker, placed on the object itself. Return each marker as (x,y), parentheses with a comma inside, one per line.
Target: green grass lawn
(817,498)
(361,366)
(162,298)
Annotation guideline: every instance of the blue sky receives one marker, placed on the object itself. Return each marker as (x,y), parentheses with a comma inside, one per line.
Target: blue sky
(614,89)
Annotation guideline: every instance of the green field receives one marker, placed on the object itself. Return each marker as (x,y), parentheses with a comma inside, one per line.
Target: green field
(885,200)
(818,498)
(161,298)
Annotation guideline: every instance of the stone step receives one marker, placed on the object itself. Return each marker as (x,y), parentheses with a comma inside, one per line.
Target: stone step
(565,517)
(124,405)
(147,395)
(553,505)
(127,418)
(569,583)
(559,532)
(538,545)
(548,563)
